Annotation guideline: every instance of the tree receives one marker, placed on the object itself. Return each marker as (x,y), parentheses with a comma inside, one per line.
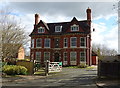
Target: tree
(12,34)
(102,50)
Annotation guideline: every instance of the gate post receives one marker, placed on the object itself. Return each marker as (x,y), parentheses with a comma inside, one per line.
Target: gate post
(46,68)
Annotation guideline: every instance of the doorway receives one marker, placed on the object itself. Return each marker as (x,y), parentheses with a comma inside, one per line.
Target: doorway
(56,57)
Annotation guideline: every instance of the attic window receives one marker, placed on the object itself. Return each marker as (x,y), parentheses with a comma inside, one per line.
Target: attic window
(41,30)
(74,27)
(58,28)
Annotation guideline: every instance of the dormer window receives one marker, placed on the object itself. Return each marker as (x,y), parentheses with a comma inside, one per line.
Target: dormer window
(41,30)
(58,28)
(74,27)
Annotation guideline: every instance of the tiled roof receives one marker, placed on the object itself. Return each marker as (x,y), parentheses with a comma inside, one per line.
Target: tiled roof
(65,26)
(94,54)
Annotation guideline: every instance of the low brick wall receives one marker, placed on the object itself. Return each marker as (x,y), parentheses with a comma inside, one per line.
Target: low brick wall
(29,65)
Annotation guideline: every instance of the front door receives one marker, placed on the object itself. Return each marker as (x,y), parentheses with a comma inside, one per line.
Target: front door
(56,57)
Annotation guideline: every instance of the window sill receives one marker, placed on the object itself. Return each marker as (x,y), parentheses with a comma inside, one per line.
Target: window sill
(38,47)
(73,47)
(82,47)
(46,47)
(65,47)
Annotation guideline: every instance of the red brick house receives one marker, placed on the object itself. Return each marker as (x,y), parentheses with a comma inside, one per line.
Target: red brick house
(69,42)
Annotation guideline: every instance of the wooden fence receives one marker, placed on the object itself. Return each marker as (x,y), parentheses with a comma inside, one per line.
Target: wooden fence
(109,69)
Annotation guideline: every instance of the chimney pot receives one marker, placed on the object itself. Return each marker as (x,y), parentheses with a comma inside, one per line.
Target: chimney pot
(37,16)
(89,16)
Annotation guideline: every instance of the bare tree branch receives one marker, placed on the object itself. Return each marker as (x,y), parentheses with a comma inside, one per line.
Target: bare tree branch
(12,34)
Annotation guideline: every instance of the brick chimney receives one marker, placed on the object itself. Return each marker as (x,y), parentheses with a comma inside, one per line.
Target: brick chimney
(37,19)
(89,16)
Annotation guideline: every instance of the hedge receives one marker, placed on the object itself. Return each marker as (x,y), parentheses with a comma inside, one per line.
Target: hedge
(14,70)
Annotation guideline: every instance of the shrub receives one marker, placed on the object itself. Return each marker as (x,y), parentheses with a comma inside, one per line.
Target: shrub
(82,65)
(23,60)
(11,61)
(14,70)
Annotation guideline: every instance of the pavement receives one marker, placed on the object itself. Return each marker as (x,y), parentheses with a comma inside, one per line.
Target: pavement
(108,83)
(68,78)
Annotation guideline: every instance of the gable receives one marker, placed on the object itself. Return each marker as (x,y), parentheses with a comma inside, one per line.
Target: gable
(40,29)
(78,26)
(65,27)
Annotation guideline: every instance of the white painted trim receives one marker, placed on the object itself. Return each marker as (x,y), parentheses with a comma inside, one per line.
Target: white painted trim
(41,42)
(44,56)
(84,42)
(32,43)
(74,25)
(57,30)
(64,43)
(49,42)
(70,42)
(75,54)
(85,57)
(36,56)
(41,29)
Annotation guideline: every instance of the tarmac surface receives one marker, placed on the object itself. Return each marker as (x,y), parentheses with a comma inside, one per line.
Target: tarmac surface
(68,78)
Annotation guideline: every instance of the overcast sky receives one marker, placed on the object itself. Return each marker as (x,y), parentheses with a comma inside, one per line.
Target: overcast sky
(104,16)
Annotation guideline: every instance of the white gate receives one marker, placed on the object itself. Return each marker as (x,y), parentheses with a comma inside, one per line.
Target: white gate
(53,67)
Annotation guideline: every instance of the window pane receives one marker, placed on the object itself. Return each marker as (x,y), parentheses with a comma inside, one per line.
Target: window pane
(65,56)
(74,42)
(75,27)
(58,28)
(82,56)
(38,42)
(38,56)
(41,30)
(83,41)
(73,56)
(65,42)
(47,42)
(32,43)
(46,56)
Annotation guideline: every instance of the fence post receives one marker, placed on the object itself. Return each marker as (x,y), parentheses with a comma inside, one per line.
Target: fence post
(46,68)
(99,68)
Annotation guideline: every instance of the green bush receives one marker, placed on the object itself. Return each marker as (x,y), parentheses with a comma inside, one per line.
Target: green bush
(14,70)
(83,65)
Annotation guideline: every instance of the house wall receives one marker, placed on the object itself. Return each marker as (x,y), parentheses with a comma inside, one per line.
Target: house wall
(94,60)
(61,49)
(47,34)
(21,53)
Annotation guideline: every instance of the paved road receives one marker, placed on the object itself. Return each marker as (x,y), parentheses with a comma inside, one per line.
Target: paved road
(68,78)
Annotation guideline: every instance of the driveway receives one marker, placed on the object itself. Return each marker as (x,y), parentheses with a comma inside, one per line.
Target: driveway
(68,78)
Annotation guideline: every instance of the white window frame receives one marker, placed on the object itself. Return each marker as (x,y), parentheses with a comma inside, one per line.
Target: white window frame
(32,43)
(74,60)
(75,53)
(37,42)
(83,42)
(47,56)
(58,28)
(41,30)
(83,56)
(75,27)
(65,61)
(65,42)
(45,42)
(38,58)
(71,42)
(65,56)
